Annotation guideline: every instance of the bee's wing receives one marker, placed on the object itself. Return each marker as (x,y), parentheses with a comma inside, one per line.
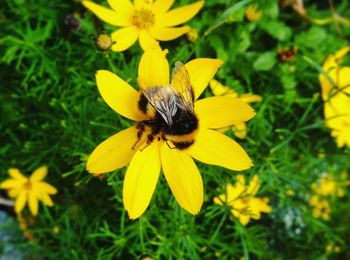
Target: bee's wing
(180,80)
(164,101)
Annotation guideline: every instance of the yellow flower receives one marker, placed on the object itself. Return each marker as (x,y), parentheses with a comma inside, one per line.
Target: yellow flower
(253,13)
(241,198)
(239,129)
(192,35)
(147,152)
(146,20)
(328,186)
(321,207)
(335,93)
(29,190)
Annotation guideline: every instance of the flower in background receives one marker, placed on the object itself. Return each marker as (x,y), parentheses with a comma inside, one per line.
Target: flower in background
(253,13)
(104,42)
(239,129)
(335,85)
(147,151)
(321,207)
(241,198)
(29,190)
(328,186)
(146,20)
(332,248)
(192,35)
(287,54)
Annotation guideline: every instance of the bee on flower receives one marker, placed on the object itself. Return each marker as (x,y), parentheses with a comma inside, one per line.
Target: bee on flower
(240,129)
(29,190)
(335,86)
(171,128)
(145,20)
(243,201)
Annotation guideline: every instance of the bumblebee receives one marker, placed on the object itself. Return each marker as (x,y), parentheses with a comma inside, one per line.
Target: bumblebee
(171,111)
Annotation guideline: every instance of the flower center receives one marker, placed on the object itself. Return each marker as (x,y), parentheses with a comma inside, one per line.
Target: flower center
(27,185)
(143,18)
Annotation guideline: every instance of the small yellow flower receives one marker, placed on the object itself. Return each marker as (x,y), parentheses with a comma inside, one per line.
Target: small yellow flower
(335,93)
(241,198)
(321,207)
(147,149)
(29,190)
(239,129)
(328,186)
(145,20)
(290,192)
(253,13)
(192,35)
(104,42)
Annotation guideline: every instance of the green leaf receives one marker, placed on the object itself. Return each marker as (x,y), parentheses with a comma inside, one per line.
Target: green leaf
(265,61)
(276,29)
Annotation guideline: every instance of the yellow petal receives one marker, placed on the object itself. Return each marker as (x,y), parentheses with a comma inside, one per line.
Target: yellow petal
(240,130)
(214,148)
(44,187)
(332,68)
(143,4)
(153,69)
(113,153)
(38,174)
(179,15)
(250,98)
(141,179)
(21,201)
(161,6)
(253,186)
(46,200)
(147,41)
(332,60)
(119,95)
(220,90)
(244,219)
(262,205)
(183,178)
(201,71)
(107,15)
(233,192)
(124,38)
(10,184)
(121,6)
(168,34)
(220,200)
(222,111)
(13,193)
(33,203)
(16,174)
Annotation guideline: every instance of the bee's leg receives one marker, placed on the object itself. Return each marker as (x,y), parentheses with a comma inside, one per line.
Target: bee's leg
(169,145)
(150,139)
(141,128)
